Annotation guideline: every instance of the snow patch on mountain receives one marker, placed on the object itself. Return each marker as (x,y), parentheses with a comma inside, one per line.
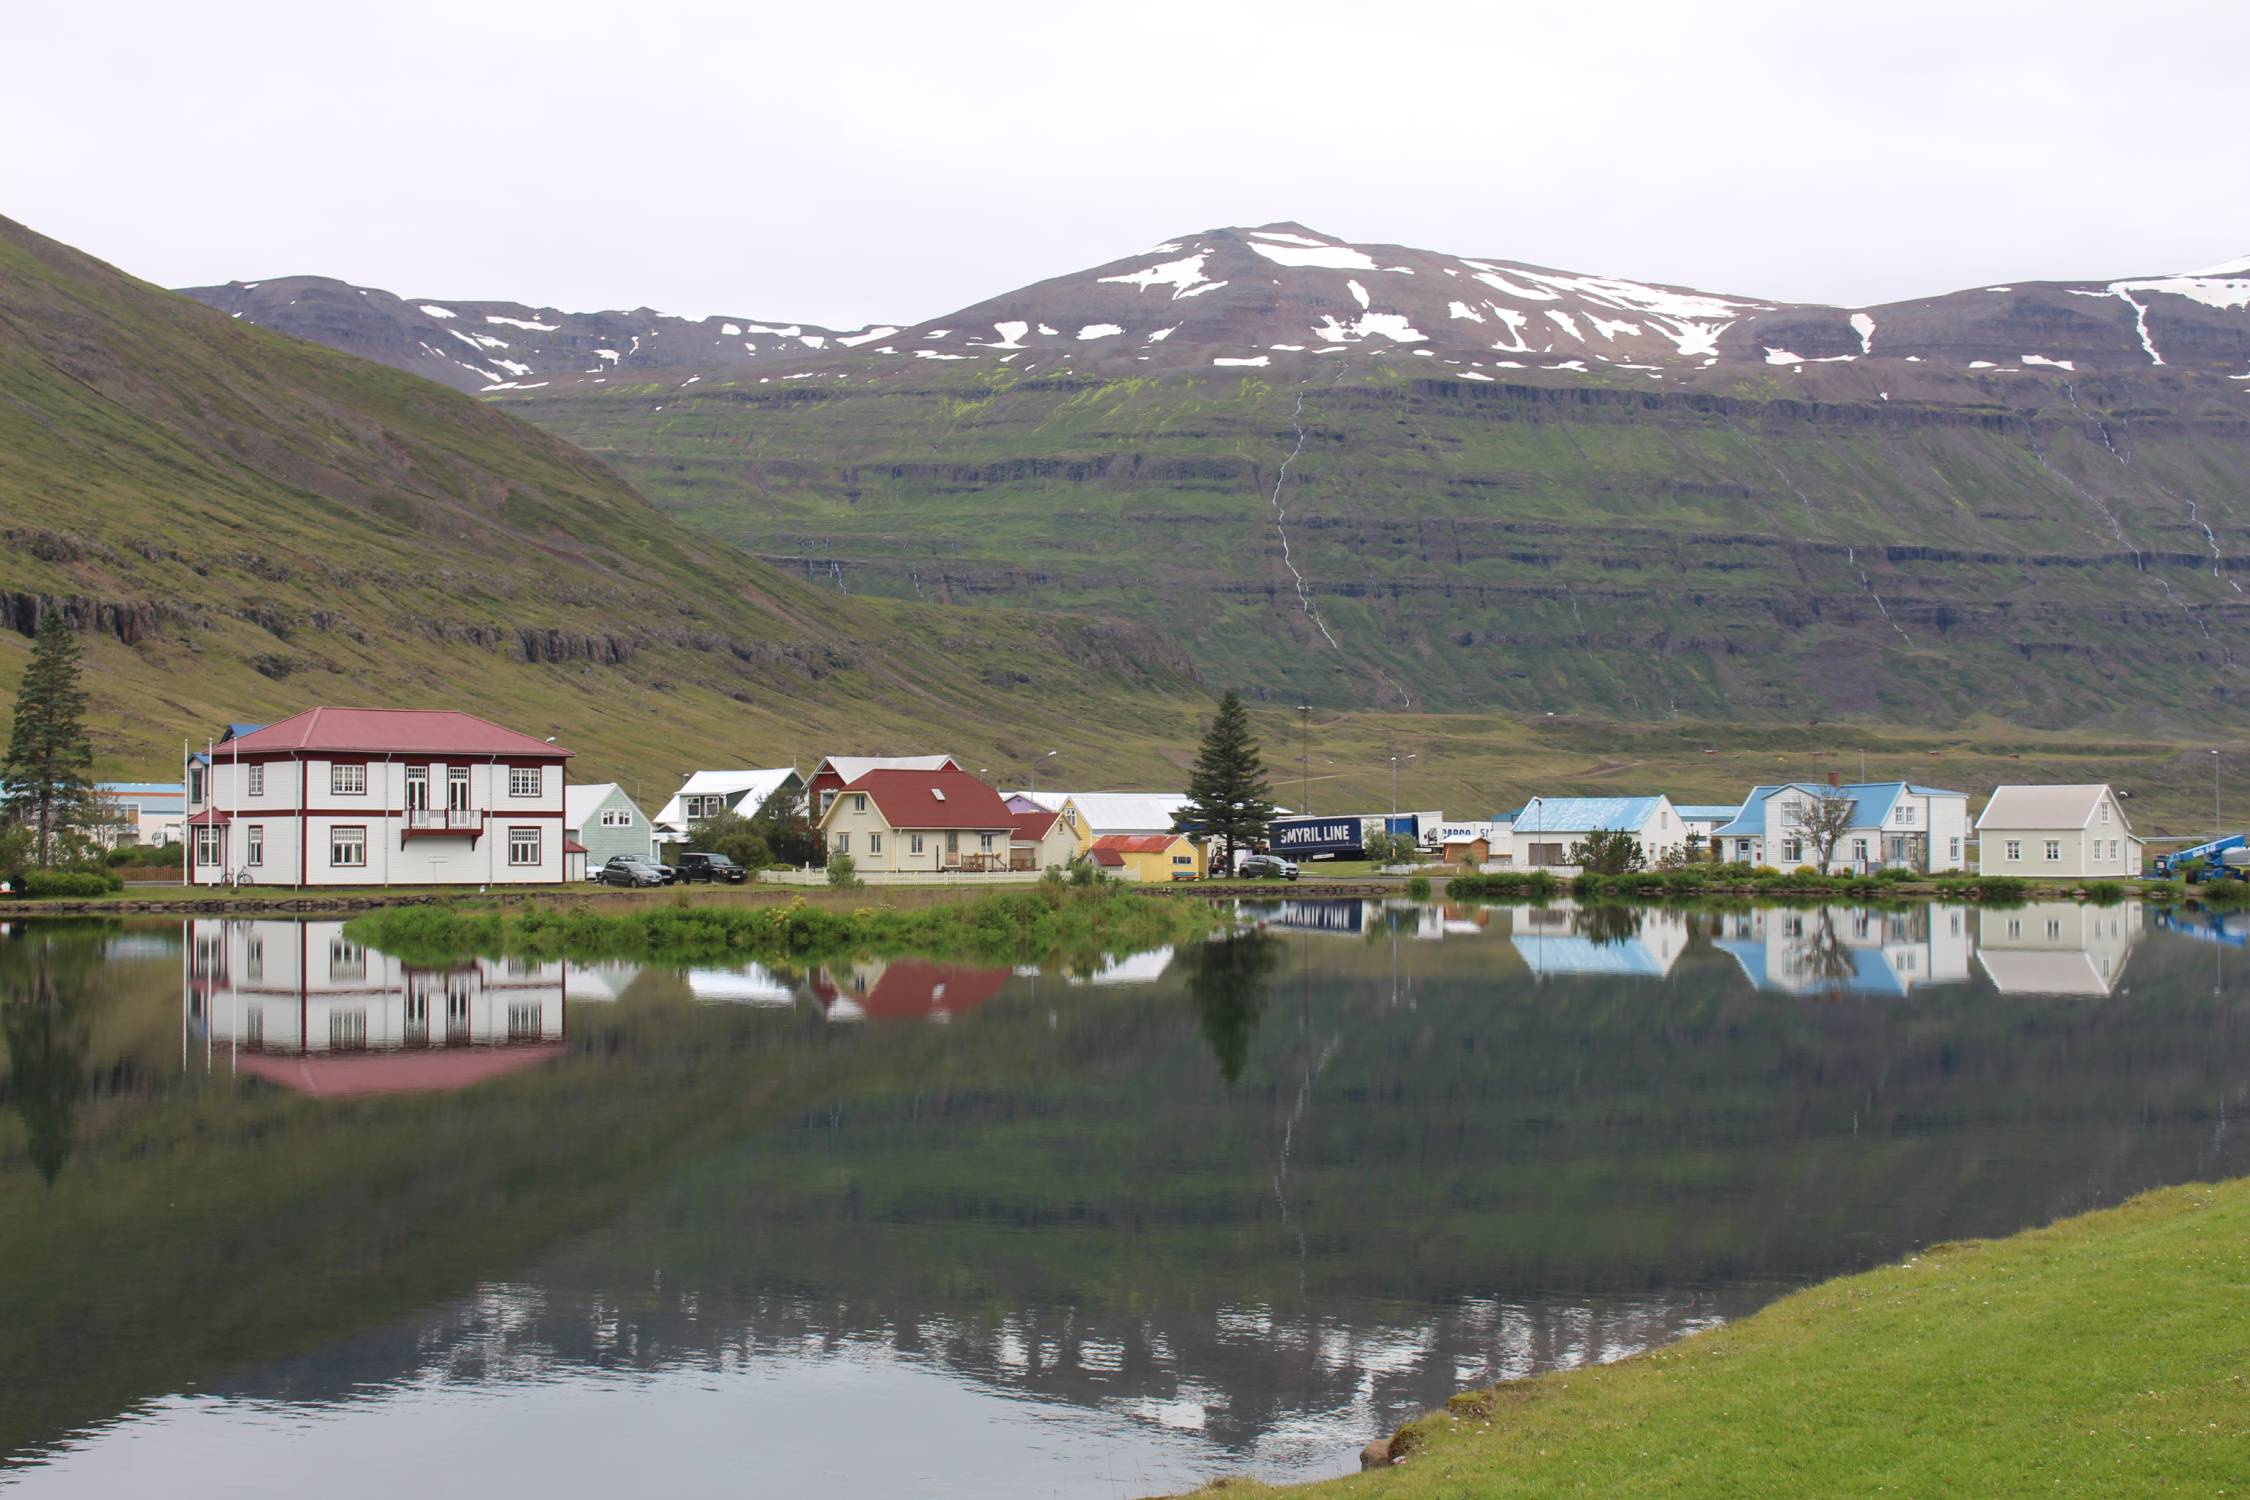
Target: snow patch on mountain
(1309,253)
(1185,277)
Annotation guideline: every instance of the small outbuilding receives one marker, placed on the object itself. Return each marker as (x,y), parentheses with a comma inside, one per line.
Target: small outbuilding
(2075,832)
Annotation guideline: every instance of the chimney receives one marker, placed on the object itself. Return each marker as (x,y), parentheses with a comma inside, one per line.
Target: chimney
(1832,779)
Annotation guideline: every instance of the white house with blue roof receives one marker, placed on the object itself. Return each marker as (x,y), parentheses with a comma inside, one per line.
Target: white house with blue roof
(1540,833)
(1895,825)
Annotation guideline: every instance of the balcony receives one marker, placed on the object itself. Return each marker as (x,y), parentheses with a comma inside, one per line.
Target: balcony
(441,822)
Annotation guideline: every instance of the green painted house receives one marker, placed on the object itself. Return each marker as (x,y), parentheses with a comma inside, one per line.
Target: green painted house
(602,818)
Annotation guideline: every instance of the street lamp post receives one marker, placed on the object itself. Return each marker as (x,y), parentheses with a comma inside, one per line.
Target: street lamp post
(2215,833)
(1394,787)
(1050,755)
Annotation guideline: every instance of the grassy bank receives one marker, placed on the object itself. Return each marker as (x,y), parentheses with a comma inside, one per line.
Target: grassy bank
(1014,926)
(2108,1354)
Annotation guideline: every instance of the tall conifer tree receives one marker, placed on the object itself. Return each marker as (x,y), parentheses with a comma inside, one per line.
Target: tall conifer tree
(49,768)
(1229,797)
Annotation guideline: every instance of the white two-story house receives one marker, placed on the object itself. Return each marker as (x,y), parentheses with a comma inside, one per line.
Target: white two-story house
(377,796)
(1894,825)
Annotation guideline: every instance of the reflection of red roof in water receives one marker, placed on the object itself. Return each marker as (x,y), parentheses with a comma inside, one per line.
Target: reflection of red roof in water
(914,988)
(345,1075)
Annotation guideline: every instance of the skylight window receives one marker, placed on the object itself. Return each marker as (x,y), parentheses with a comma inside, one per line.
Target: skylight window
(938,792)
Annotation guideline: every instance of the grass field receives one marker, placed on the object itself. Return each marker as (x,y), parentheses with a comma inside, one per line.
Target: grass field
(2104,1355)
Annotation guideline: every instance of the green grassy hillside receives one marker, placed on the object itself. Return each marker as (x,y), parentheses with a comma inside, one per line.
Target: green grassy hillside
(246,525)
(1881,542)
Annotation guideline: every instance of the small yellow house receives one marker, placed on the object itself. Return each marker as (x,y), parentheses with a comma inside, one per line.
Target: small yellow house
(1149,856)
(1041,842)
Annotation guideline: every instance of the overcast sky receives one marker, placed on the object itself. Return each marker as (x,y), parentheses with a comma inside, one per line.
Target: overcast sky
(842,163)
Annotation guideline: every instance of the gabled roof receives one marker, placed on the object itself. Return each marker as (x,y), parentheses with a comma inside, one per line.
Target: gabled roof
(849,768)
(740,788)
(385,731)
(1871,801)
(2047,807)
(1109,858)
(932,799)
(580,802)
(1586,814)
(1121,812)
(1137,843)
(1707,812)
(1031,827)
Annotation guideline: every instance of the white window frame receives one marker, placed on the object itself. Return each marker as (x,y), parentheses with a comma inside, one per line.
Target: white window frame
(254,844)
(874,843)
(338,842)
(2054,851)
(254,779)
(859,802)
(523,847)
(207,844)
(914,843)
(527,781)
(2014,848)
(843,844)
(347,780)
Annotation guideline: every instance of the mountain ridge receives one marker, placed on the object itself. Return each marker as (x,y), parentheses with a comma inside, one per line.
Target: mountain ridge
(1286,290)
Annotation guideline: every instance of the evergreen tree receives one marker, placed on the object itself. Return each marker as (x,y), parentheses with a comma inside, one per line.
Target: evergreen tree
(1229,798)
(48,771)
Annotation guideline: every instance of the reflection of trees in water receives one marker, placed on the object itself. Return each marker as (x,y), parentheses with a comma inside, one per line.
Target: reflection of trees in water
(43,1016)
(1818,953)
(1227,980)
(1607,923)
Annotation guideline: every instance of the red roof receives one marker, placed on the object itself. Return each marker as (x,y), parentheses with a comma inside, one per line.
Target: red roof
(207,816)
(1135,843)
(913,987)
(1031,827)
(1109,857)
(379,731)
(572,846)
(934,799)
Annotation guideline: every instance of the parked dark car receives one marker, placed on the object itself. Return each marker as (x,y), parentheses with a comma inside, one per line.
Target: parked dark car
(1265,867)
(716,868)
(631,869)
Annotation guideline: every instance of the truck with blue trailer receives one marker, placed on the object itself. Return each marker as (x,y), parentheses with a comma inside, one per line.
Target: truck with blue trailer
(2220,859)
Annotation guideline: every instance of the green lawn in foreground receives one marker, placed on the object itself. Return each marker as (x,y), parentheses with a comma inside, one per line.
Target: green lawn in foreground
(2105,1355)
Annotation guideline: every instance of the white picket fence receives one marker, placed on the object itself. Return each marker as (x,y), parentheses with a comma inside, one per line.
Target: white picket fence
(912,877)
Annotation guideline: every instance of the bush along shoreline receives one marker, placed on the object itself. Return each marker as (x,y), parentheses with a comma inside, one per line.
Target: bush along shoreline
(1051,919)
(1894,885)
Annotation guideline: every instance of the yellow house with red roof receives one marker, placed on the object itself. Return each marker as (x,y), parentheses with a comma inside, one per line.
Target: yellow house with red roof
(1148,856)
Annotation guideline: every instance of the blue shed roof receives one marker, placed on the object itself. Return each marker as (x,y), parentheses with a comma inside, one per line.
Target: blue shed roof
(1705,812)
(1571,954)
(142,788)
(1586,814)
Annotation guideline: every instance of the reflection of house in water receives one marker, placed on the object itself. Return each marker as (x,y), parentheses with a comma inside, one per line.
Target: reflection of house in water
(302,1005)
(1133,968)
(2057,947)
(1806,950)
(751,984)
(904,989)
(1566,939)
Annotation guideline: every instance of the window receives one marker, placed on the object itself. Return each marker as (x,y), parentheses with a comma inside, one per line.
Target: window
(874,843)
(953,843)
(1183,859)
(617,817)
(2015,850)
(843,843)
(526,781)
(1905,816)
(915,843)
(1859,850)
(457,788)
(254,958)
(347,846)
(255,779)
(1792,851)
(984,842)
(2105,812)
(347,781)
(417,788)
(2054,851)
(254,844)
(527,1022)
(2113,848)
(2054,928)
(206,844)
(1953,849)
(2015,927)
(347,1030)
(523,846)
(859,802)
(254,1027)
(195,784)
(346,959)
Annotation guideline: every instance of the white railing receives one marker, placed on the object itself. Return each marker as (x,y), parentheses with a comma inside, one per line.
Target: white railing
(444,819)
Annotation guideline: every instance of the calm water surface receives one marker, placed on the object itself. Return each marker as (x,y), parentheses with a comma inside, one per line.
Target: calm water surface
(282,1216)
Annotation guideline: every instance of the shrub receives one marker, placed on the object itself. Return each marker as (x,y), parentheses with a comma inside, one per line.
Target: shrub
(1418,888)
(843,875)
(1897,875)
(2105,892)
(1498,883)
(2162,890)
(2224,893)
(40,884)
(147,856)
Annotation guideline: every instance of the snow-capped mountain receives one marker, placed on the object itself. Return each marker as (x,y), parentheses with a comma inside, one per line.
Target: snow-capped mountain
(480,346)
(1285,295)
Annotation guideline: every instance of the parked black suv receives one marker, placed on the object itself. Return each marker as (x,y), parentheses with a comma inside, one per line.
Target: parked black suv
(631,869)
(712,867)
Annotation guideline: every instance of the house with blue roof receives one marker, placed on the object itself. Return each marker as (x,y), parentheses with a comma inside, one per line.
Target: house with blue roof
(1540,833)
(1894,825)
(139,812)
(1848,949)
